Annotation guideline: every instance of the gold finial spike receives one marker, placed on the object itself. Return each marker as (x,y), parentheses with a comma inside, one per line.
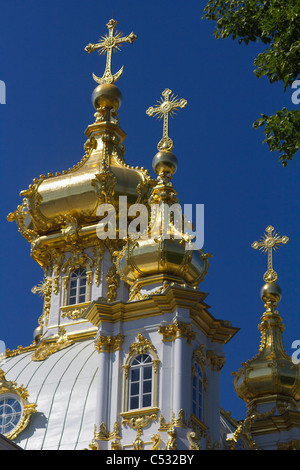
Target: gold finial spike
(106,45)
(269,242)
(167,106)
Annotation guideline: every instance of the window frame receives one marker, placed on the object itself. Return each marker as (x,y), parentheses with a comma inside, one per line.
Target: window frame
(77,279)
(143,346)
(76,261)
(141,394)
(197,407)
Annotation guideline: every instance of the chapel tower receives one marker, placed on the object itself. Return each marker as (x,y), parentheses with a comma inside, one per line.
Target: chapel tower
(269,383)
(127,353)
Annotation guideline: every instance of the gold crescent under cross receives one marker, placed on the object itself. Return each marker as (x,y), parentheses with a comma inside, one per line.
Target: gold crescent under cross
(106,45)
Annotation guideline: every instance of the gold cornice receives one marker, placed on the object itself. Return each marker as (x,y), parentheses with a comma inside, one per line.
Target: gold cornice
(274,424)
(174,297)
(20,350)
(74,337)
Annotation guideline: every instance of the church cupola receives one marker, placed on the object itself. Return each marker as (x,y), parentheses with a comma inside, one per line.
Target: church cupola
(269,383)
(164,253)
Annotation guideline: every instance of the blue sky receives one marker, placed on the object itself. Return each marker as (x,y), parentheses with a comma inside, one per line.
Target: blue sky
(222,161)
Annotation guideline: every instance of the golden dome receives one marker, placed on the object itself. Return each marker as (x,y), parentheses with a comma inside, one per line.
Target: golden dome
(141,259)
(271,372)
(101,176)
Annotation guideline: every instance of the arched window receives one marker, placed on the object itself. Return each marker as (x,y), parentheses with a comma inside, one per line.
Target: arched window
(197,392)
(140,382)
(77,286)
(141,378)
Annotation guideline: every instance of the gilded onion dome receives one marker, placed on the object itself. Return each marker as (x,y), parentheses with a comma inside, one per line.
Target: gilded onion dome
(271,373)
(101,175)
(64,202)
(163,250)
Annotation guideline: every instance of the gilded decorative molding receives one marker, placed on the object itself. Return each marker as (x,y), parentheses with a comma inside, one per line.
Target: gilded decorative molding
(138,419)
(199,355)
(172,442)
(136,295)
(19,216)
(44,289)
(179,422)
(142,346)
(98,251)
(163,426)
(156,440)
(177,330)
(194,440)
(214,361)
(113,282)
(22,393)
(45,349)
(115,445)
(57,260)
(74,312)
(76,261)
(109,344)
(243,432)
(104,435)
(104,184)
(138,444)
(20,350)
(93,445)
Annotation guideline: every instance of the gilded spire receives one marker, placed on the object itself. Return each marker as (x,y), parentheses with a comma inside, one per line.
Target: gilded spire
(106,45)
(167,106)
(271,373)
(270,241)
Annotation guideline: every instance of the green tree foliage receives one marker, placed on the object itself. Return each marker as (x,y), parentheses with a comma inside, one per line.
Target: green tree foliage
(276,24)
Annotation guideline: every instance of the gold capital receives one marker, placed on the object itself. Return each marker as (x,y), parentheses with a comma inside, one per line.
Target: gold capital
(167,106)
(269,242)
(106,45)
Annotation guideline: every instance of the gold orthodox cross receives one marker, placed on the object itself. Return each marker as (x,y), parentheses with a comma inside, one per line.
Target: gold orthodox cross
(269,242)
(106,45)
(166,107)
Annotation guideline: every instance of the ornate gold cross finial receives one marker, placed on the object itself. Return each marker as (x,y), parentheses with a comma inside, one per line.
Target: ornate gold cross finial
(106,45)
(166,107)
(269,242)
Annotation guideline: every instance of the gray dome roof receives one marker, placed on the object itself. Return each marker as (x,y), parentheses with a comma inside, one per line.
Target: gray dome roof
(64,388)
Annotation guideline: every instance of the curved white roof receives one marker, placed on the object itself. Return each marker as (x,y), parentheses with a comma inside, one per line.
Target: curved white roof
(64,388)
